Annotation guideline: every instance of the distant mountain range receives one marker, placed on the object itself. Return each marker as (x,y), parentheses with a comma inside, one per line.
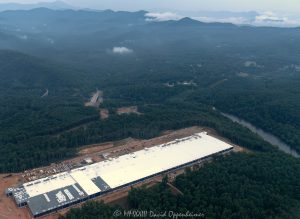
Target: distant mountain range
(71,35)
(56,5)
(253,18)
(267,18)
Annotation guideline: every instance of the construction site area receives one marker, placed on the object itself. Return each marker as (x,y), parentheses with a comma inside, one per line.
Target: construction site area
(98,172)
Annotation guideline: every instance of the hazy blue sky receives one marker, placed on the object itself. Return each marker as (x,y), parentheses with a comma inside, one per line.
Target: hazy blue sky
(233,5)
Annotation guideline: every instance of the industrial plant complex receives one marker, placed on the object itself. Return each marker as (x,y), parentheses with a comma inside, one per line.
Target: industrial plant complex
(65,189)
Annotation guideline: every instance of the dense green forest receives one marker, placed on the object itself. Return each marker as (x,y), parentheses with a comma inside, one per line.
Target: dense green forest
(238,186)
(36,131)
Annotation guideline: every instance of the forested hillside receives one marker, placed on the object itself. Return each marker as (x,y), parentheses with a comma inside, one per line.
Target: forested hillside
(175,72)
(37,99)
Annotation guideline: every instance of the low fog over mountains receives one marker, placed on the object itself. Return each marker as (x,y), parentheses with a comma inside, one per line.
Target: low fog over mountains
(265,18)
(86,36)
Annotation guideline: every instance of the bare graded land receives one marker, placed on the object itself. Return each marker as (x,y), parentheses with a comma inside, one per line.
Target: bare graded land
(128,110)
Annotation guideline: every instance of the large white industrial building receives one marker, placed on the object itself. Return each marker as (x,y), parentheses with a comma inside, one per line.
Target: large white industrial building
(68,188)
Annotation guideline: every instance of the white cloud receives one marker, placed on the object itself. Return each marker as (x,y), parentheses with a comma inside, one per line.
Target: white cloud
(166,16)
(233,20)
(267,18)
(23,37)
(121,50)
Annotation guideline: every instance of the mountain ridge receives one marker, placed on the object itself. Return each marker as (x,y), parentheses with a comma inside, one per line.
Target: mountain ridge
(56,5)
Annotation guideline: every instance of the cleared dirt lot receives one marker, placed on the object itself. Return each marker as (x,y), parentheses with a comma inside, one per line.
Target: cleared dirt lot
(104,114)
(95,100)
(8,208)
(96,152)
(128,110)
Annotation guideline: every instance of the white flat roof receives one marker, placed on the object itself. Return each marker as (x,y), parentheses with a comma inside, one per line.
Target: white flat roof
(89,187)
(131,167)
(51,183)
